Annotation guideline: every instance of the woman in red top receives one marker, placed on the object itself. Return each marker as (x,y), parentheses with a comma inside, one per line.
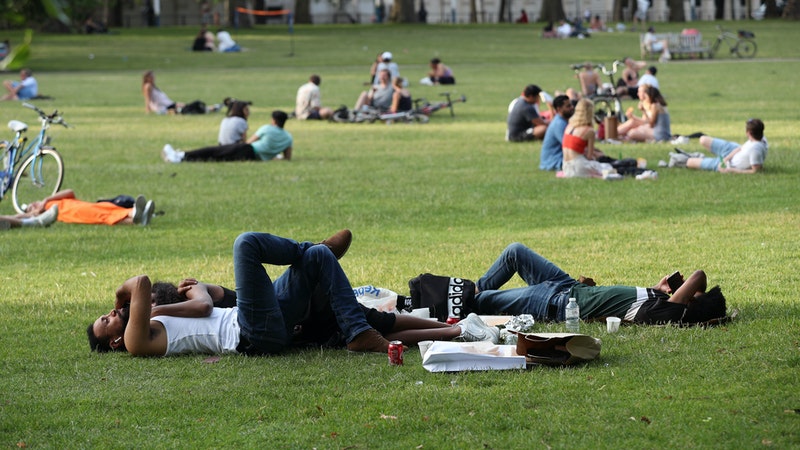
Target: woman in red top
(580,156)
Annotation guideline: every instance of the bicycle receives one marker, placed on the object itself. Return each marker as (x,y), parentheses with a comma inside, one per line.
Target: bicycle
(607,103)
(37,161)
(428,108)
(740,43)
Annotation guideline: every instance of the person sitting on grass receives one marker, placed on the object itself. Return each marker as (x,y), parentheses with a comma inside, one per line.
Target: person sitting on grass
(25,89)
(524,122)
(730,157)
(267,143)
(580,156)
(72,210)
(549,289)
(320,326)
(308,102)
(439,74)
(379,95)
(401,98)
(156,101)
(654,125)
(552,156)
(45,219)
(233,127)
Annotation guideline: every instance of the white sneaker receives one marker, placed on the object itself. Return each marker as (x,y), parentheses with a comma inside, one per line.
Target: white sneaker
(647,175)
(47,218)
(680,140)
(138,209)
(147,213)
(473,329)
(168,154)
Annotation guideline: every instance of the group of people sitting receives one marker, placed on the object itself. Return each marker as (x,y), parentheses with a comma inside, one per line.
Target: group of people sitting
(205,41)
(313,297)
(569,137)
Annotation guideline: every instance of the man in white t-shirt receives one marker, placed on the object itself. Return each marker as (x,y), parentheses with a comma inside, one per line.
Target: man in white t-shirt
(649,78)
(732,157)
(308,105)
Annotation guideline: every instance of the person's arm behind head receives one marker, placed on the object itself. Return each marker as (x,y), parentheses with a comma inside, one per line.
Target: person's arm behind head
(140,337)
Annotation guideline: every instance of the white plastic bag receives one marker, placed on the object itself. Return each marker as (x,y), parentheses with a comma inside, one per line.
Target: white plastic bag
(378,298)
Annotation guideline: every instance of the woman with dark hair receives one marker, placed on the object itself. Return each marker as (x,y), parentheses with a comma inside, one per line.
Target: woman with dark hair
(233,128)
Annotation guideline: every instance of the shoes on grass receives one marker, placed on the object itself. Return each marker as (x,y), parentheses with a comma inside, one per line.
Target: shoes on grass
(139,209)
(170,155)
(473,329)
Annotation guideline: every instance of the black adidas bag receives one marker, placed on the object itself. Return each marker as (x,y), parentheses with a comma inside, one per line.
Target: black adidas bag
(444,296)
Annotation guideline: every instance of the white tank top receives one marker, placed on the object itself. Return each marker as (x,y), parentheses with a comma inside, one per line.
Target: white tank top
(216,334)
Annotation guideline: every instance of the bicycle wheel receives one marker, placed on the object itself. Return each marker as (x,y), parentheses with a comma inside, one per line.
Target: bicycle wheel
(39,176)
(602,109)
(745,48)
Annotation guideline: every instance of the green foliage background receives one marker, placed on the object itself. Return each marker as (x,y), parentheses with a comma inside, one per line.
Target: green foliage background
(444,197)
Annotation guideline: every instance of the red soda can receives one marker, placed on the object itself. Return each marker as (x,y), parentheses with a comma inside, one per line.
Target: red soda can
(452,320)
(396,353)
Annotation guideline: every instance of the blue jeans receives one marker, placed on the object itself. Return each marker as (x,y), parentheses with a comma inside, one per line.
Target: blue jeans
(545,296)
(269,311)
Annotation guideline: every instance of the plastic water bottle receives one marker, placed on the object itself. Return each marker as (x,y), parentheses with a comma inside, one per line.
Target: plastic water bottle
(573,316)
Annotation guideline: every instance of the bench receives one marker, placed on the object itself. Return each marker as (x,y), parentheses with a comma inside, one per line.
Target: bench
(680,45)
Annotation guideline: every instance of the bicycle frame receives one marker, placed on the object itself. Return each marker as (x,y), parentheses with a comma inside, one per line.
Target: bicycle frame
(26,159)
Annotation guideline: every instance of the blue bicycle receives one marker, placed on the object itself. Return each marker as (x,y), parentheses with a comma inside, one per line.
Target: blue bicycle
(32,170)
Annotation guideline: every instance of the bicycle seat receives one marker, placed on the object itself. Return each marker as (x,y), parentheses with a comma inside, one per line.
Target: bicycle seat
(17,126)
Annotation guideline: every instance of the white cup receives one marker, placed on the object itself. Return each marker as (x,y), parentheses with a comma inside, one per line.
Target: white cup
(612,324)
(423,347)
(421,312)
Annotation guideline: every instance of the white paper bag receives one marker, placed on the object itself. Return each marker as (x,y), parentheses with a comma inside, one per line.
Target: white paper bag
(443,356)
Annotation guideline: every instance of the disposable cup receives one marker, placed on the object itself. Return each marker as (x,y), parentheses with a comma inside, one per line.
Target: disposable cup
(423,347)
(612,324)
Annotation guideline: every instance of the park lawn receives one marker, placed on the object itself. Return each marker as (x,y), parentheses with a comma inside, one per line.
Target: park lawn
(444,197)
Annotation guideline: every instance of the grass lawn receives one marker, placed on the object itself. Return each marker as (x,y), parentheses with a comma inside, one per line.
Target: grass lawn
(444,197)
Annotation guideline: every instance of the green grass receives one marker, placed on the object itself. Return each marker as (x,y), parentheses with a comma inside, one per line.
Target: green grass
(444,197)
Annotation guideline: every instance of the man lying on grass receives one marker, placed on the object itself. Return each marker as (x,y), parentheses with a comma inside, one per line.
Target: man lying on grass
(265,314)
(549,288)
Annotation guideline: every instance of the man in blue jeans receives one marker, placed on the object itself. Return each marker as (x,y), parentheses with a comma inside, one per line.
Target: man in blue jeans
(549,289)
(266,311)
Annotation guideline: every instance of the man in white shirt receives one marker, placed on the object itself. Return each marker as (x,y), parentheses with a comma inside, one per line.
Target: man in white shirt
(649,78)
(730,157)
(308,105)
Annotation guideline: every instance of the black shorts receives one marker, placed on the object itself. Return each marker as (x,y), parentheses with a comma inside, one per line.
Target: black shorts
(383,322)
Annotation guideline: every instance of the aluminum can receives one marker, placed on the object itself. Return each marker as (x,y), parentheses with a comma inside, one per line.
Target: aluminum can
(452,320)
(396,353)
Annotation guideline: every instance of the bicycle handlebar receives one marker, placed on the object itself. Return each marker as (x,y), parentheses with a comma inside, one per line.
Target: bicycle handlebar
(54,118)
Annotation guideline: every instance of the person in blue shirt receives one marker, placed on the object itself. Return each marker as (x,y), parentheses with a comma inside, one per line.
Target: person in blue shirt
(25,89)
(552,155)
(267,143)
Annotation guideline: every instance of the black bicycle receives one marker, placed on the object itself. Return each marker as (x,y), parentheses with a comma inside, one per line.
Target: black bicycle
(741,43)
(607,102)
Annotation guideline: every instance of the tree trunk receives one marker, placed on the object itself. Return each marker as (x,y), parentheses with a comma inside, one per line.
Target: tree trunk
(616,13)
(676,13)
(302,11)
(552,11)
(473,11)
(790,10)
(501,13)
(403,12)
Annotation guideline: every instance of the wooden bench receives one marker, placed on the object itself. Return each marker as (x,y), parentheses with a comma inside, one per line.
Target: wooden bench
(680,46)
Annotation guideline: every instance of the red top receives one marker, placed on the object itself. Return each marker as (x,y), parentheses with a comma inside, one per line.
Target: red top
(574,143)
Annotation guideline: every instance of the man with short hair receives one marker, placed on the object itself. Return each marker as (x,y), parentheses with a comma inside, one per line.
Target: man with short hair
(730,157)
(524,123)
(266,312)
(308,105)
(552,156)
(25,89)
(649,78)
